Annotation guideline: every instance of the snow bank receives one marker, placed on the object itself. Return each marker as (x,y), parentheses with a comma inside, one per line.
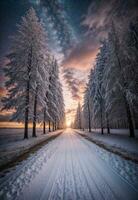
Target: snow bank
(15,146)
(115,131)
(118,143)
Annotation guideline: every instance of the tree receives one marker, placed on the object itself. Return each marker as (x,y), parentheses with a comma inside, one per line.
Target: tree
(25,70)
(78,118)
(41,87)
(129,58)
(99,91)
(87,103)
(122,80)
(112,88)
(54,97)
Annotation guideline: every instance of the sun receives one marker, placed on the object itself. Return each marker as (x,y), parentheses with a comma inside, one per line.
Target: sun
(68,123)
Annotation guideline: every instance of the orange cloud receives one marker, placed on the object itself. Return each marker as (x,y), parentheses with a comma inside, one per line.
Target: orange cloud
(82,56)
(68,111)
(2,92)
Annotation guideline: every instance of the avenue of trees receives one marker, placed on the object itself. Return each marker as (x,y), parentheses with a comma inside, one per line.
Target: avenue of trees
(111,95)
(78,118)
(34,91)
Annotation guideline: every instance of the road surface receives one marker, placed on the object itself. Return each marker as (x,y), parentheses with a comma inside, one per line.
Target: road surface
(69,168)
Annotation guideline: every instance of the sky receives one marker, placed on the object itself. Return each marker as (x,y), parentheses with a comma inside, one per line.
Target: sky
(74,29)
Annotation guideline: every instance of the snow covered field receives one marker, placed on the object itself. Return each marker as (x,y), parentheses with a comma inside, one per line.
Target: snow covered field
(71,167)
(8,135)
(13,145)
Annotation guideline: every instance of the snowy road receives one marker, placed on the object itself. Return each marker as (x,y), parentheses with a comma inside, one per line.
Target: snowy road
(71,168)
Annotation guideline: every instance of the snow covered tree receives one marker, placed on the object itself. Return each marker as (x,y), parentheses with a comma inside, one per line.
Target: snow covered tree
(87,103)
(123,82)
(60,103)
(78,118)
(57,112)
(129,58)
(112,88)
(26,72)
(54,97)
(98,100)
(41,87)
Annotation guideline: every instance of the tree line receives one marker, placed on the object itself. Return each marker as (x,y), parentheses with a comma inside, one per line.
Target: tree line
(34,91)
(111,94)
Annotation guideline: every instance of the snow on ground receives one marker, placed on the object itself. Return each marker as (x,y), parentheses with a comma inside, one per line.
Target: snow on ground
(8,135)
(116,131)
(13,145)
(118,140)
(71,167)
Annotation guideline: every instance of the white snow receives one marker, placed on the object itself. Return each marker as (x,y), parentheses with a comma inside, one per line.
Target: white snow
(71,167)
(118,139)
(13,145)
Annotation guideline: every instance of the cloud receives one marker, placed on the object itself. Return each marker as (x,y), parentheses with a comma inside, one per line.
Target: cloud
(70,111)
(97,23)
(97,15)
(81,56)
(101,13)
(2,91)
(74,84)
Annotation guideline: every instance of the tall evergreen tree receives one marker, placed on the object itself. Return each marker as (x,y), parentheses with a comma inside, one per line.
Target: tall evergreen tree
(112,86)
(26,71)
(78,118)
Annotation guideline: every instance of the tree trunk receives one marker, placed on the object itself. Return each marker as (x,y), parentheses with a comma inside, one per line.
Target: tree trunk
(53,126)
(129,118)
(34,117)
(49,126)
(44,127)
(108,130)
(107,121)
(44,122)
(102,132)
(79,117)
(58,125)
(101,120)
(80,123)
(26,110)
(89,115)
(128,110)
(27,95)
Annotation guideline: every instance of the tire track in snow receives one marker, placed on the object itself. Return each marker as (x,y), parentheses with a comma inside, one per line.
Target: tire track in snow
(51,190)
(126,170)
(91,183)
(24,173)
(89,194)
(70,186)
(57,191)
(77,175)
(74,173)
(116,190)
(95,177)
